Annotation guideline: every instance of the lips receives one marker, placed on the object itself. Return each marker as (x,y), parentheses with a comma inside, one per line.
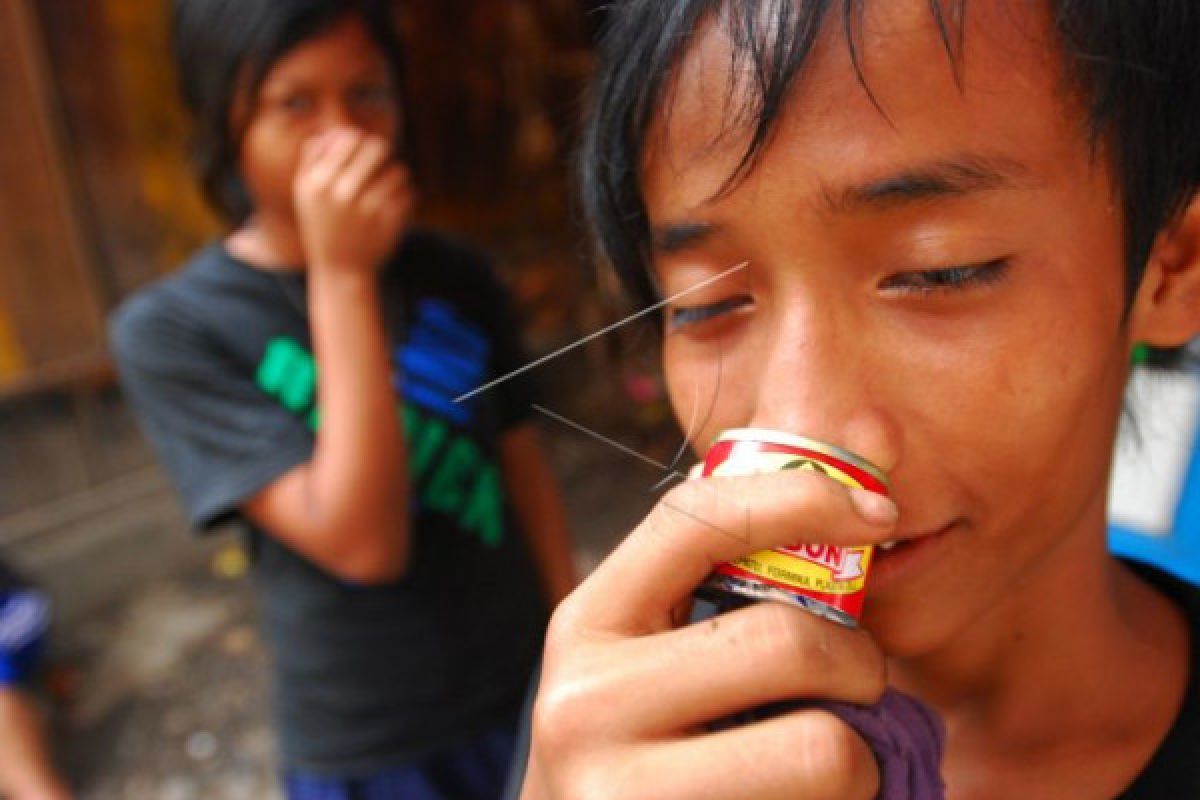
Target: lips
(910,538)
(909,541)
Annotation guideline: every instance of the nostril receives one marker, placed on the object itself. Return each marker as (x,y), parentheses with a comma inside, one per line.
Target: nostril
(876,437)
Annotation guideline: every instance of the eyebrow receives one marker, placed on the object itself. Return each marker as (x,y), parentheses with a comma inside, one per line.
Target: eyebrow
(951,177)
(677,237)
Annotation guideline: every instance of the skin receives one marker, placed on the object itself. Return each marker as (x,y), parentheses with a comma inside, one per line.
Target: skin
(317,160)
(27,770)
(330,198)
(939,291)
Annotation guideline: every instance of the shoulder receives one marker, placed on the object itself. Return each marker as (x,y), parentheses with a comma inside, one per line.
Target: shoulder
(164,316)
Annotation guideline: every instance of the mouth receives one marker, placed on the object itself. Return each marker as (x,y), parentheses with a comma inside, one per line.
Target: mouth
(906,554)
(907,541)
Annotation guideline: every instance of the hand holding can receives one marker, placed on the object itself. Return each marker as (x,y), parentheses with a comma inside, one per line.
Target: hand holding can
(628,686)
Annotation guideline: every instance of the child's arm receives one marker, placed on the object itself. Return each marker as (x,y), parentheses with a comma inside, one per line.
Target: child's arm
(347,509)
(26,770)
(533,492)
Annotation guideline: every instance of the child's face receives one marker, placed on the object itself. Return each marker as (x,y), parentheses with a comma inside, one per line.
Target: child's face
(941,293)
(337,79)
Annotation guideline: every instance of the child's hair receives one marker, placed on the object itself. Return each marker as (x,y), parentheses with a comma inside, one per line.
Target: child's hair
(224,49)
(1135,64)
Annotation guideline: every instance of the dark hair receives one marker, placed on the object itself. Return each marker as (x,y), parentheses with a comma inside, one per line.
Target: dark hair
(1135,64)
(225,47)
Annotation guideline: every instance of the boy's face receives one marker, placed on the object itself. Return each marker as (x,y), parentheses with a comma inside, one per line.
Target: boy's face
(939,291)
(337,79)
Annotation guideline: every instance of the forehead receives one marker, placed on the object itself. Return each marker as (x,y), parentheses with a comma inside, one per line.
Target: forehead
(345,47)
(1000,96)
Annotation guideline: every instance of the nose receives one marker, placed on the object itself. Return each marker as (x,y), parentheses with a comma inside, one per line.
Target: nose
(821,379)
(336,113)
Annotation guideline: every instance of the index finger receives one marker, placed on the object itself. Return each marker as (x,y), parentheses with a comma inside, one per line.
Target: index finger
(702,523)
(366,166)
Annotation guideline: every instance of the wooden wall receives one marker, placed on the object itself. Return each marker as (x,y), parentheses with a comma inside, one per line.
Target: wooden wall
(51,304)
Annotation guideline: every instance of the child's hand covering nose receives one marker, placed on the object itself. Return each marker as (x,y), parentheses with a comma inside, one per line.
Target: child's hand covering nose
(352,201)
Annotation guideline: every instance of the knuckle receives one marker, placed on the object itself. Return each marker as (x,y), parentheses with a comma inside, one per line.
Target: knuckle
(832,752)
(788,635)
(687,506)
(829,655)
(873,668)
(659,523)
(680,496)
(342,192)
(616,774)
(562,717)
(564,624)
(596,784)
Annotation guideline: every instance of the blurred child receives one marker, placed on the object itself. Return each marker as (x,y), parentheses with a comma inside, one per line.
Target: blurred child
(957,221)
(300,375)
(27,769)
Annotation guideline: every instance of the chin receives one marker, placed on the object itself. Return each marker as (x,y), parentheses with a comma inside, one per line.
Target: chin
(905,632)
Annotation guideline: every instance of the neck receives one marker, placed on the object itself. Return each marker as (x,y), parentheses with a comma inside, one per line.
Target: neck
(268,241)
(1083,658)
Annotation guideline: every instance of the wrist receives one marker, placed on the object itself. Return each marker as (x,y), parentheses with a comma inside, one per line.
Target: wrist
(342,280)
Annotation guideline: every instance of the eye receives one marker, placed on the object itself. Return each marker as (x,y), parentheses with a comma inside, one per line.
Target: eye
(299,103)
(949,279)
(373,94)
(682,316)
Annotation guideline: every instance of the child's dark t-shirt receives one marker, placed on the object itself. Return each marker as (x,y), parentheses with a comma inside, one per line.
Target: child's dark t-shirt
(1174,772)
(217,360)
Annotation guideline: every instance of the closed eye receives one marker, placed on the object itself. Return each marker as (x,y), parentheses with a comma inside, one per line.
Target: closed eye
(949,279)
(682,316)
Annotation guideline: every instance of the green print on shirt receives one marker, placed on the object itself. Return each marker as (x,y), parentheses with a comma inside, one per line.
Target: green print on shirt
(462,483)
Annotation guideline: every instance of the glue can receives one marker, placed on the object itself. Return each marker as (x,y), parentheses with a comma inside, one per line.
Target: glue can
(825,580)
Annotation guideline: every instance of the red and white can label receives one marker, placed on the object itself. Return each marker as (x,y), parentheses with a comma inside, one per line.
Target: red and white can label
(827,580)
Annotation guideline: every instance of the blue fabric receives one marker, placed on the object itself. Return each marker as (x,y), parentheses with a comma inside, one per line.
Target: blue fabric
(476,771)
(24,619)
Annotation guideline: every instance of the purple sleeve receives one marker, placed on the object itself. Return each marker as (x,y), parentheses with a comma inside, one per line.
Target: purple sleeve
(907,739)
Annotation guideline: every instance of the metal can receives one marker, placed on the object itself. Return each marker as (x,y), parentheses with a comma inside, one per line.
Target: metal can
(828,581)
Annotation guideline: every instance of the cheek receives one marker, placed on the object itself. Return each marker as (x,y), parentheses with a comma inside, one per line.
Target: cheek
(386,126)
(268,162)
(1039,412)
(1018,397)
(708,387)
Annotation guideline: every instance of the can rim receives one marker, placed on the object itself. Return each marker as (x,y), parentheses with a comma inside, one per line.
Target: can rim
(770,436)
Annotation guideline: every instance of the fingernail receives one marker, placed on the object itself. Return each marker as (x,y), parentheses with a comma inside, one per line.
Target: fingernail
(874,508)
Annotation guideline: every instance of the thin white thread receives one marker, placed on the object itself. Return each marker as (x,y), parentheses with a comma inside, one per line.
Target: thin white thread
(581,342)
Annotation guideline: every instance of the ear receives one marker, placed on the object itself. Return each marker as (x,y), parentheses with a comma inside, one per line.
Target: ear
(1166,308)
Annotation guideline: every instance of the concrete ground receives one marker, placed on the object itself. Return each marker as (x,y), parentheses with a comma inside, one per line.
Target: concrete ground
(163,694)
